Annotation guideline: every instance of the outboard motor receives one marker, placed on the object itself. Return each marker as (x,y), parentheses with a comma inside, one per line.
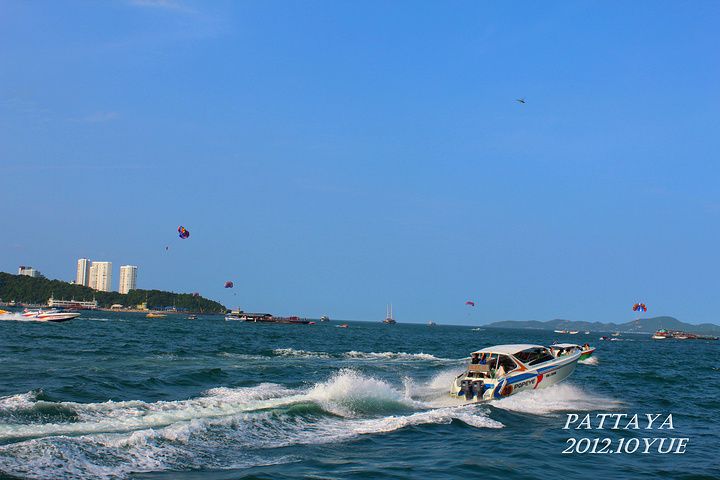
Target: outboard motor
(466,388)
(477,389)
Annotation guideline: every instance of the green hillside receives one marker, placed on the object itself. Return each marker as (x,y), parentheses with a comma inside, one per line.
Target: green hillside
(26,289)
(642,325)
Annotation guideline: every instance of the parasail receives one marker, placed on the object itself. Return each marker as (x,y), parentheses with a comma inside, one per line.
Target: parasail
(470,302)
(183,232)
(229,285)
(639,307)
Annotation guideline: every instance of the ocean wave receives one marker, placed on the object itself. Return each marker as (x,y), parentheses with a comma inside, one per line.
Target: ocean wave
(114,439)
(395,356)
(291,352)
(590,361)
(558,398)
(16,317)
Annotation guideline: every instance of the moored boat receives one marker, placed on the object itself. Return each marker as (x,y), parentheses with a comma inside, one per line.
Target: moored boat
(503,370)
(388,317)
(661,334)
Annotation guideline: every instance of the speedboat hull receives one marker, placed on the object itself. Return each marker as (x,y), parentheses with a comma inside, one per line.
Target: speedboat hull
(587,354)
(49,315)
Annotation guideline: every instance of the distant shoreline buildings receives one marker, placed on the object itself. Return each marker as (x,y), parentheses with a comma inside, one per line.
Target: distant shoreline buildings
(98,276)
(28,271)
(128,278)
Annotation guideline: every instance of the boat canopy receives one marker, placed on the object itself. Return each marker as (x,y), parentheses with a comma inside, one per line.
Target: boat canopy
(511,349)
(564,345)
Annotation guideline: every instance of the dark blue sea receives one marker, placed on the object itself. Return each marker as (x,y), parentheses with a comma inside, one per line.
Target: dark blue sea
(113,395)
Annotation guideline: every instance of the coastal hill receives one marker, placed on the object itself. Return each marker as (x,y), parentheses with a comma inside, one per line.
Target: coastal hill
(37,290)
(643,325)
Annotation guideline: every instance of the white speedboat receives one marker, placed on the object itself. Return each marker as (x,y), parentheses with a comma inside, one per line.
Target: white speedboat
(49,315)
(503,370)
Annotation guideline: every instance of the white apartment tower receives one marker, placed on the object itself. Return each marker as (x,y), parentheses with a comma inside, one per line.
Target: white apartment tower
(83,272)
(128,278)
(27,271)
(100,276)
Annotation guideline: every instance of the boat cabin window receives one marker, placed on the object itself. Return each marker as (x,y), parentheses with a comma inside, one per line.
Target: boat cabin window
(533,356)
(507,363)
(493,365)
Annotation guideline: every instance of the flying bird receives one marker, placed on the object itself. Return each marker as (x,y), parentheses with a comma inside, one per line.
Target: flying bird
(520,100)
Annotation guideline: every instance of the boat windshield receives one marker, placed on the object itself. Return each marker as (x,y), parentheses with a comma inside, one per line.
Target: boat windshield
(534,356)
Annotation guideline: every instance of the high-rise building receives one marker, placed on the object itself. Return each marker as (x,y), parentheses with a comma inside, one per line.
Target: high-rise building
(27,271)
(100,276)
(128,278)
(83,272)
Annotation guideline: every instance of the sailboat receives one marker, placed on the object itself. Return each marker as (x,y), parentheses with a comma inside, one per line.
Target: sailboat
(388,316)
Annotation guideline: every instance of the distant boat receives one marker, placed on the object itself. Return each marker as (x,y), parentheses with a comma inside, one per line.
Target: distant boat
(155,315)
(615,334)
(344,325)
(192,317)
(52,315)
(587,333)
(662,334)
(324,318)
(389,318)
(431,323)
(560,331)
(573,332)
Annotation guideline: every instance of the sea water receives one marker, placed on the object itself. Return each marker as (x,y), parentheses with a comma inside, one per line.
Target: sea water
(113,395)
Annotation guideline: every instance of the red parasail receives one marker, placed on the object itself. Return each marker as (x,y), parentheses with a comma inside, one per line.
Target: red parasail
(470,302)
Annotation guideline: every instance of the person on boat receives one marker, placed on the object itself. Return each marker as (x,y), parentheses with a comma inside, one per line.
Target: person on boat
(586,346)
(475,358)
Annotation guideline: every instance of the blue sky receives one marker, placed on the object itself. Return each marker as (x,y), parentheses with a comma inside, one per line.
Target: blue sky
(330,157)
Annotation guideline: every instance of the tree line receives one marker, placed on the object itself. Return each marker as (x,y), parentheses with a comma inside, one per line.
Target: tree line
(24,289)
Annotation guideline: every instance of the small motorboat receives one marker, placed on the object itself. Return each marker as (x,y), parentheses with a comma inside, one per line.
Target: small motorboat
(560,349)
(155,315)
(344,325)
(560,331)
(192,317)
(661,334)
(604,337)
(52,315)
(504,370)
(615,334)
(573,332)
(431,323)
(324,318)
